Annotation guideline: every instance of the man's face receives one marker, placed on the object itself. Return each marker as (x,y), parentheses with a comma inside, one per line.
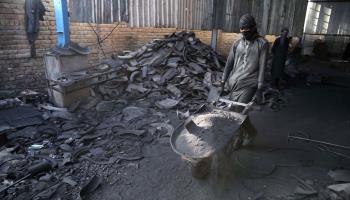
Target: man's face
(244,29)
(284,33)
(247,32)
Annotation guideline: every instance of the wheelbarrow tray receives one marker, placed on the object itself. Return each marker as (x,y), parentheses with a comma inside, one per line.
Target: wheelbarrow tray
(193,145)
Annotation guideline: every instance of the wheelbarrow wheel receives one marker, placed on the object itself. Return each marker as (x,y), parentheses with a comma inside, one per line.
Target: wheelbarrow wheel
(201,169)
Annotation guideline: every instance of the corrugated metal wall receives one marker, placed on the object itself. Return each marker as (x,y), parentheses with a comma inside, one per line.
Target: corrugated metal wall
(271,15)
(99,11)
(187,14)
(328,21)
(230,11)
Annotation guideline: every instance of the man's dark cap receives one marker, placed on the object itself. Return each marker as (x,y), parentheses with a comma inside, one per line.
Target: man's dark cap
(285,29)
(247,21)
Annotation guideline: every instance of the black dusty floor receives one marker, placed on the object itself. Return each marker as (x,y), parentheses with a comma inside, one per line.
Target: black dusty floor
(320,111)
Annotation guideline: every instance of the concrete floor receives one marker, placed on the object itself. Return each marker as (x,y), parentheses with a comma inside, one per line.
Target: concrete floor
(320,111)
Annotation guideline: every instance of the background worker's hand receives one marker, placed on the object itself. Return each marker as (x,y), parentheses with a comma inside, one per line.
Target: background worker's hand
(222,86)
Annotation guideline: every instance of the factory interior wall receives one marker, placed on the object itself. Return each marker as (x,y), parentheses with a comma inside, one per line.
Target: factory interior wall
(18,71)
(329,22)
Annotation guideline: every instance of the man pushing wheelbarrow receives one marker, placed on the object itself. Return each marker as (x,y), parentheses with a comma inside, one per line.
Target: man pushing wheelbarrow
(213,132)
(245,68)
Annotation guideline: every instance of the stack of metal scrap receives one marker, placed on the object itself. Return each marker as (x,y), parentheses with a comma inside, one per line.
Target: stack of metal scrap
(168,70)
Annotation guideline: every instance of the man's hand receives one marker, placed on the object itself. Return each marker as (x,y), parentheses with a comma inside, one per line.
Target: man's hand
(259,96)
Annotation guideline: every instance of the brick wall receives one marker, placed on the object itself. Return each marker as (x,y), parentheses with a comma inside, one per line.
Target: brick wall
(19,71)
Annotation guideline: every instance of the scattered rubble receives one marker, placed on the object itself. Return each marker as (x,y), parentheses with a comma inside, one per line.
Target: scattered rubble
(94,143)
(274,99)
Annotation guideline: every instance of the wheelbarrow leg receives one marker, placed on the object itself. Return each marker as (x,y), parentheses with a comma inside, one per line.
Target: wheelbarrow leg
(200,168)
(248,131)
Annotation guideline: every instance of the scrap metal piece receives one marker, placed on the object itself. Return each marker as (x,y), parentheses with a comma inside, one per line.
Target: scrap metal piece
(213,95)
(105,106)
(113,159)
(133,75)
(156,78)
(340,175)
(48,192)
(130,55)
(179,45)
(174,90)
(63,115)
(159,58)
(10,103)
(168,75)
(133,62)
(90,187)
(173,61)
(133,112)
(144,71)
(69,181)
(207,79)
(121,132)
(167,103)
(28,132)
(170,129)
(67,158)
(201,60)
(131,69)
(21,116)
(305,187)
(340,191)
(98,152)
(182,115)
(91,103)
(195,68)
(66,147)
(141,51)
(136,87)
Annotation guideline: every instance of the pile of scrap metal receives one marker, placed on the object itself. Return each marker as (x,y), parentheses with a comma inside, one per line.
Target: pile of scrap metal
(175,71)
(50,152)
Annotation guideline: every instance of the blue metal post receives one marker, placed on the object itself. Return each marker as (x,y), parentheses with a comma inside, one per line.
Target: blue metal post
(62,23)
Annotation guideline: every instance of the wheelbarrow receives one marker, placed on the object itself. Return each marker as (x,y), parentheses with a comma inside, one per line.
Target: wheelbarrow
(208,133)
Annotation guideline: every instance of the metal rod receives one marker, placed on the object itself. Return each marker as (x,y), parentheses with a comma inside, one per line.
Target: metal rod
(15,183)
(328,1)
(319,142)
(334,35)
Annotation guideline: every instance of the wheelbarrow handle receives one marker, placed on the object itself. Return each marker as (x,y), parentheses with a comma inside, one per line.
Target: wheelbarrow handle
(247,106)
(233,102)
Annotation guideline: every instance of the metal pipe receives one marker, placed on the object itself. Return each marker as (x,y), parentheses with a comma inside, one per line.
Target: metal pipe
(214,39)
(319,142)
(62,23)
(214,32)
